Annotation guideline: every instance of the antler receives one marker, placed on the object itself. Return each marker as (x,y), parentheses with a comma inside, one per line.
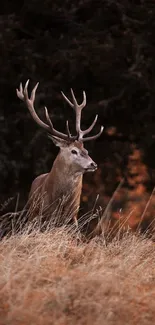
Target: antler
(29,101)
(78,109)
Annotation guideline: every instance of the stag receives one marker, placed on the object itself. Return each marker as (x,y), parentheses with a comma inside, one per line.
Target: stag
(65,178)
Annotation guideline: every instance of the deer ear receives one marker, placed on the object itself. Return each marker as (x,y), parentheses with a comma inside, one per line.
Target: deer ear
(61,143)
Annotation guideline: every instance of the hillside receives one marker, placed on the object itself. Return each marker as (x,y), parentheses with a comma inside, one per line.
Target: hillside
(51,278)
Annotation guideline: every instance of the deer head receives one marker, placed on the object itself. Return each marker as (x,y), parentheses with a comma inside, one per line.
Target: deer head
(72,151)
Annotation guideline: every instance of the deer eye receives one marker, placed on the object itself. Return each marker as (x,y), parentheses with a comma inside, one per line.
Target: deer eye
(74,152)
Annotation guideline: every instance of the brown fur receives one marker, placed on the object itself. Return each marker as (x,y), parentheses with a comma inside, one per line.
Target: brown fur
(61,187)
(61,183)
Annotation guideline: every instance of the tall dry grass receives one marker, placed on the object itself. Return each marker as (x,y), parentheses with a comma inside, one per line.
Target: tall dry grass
(49,275)
(54,278)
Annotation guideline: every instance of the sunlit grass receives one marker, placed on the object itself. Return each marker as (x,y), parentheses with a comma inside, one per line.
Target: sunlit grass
(54,275)
(53,278)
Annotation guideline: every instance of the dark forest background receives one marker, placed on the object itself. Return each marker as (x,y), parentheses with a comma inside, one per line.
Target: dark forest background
(106,48)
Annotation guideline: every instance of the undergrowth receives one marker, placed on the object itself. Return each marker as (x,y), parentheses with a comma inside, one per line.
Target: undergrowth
(54,278)
(55,275)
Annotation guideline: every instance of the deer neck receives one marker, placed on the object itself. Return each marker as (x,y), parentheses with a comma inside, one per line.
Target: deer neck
(63,179)
(61,167)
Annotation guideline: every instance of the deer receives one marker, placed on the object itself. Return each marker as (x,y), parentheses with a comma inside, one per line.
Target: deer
(64,180)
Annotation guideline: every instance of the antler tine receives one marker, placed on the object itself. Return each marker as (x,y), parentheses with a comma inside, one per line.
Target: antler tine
(68,130)
(67,100)
(48,118)
(53,130)
(91,126)
(94,136)
(20,92)
(33,93)
(25,91)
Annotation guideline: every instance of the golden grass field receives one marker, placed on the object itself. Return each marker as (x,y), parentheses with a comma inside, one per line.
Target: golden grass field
(53,278)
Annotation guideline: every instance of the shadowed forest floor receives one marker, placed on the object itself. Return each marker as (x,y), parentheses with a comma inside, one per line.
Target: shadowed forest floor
(51,278)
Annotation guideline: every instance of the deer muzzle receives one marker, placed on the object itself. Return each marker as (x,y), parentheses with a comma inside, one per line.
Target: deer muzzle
(92,167)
